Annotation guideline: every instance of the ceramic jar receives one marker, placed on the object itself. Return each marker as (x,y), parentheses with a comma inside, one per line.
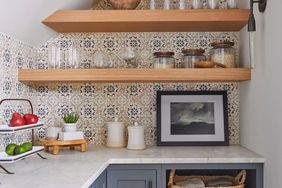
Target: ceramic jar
(116,134)
(52,133)
(136,137)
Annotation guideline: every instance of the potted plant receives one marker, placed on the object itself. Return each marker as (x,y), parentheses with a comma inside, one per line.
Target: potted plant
(70,122)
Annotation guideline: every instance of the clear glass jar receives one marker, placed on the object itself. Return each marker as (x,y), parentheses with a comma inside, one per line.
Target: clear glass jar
(101,60)
(164,60)
(191,56)
(223,53)
(197,4)
(213,4)
(231,4)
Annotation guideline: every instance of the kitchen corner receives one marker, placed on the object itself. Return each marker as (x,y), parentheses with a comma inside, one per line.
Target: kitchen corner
(73,169)
(139,93)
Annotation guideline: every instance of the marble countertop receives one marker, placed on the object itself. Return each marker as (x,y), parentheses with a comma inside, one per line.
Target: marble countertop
(74,169)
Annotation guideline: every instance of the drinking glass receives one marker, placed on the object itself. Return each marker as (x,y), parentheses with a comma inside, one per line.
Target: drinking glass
(54,56)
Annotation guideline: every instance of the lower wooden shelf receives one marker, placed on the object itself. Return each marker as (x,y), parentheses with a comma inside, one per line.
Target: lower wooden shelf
(135,75)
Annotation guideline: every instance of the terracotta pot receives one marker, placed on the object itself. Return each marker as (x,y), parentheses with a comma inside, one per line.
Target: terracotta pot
(124,4)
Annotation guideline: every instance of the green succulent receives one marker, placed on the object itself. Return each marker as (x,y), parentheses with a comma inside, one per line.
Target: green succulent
(71,118)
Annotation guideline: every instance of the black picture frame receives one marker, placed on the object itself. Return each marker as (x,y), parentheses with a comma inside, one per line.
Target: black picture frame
(160,140)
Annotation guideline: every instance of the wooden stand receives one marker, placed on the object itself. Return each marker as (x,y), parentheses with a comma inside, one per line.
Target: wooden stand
(56,144)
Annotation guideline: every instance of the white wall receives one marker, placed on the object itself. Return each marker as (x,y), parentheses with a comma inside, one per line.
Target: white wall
(22,18)
(261,98)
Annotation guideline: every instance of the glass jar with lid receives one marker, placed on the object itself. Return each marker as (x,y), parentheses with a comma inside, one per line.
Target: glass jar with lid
(164,60)
(223,53)
(191,56)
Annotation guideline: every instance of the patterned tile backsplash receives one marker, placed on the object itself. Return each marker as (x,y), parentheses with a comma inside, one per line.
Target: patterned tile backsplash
(98,103)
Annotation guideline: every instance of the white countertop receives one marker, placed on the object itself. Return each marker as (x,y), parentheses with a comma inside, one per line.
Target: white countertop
(74,169)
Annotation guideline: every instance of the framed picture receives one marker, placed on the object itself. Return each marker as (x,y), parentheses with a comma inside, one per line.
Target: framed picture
(192,118)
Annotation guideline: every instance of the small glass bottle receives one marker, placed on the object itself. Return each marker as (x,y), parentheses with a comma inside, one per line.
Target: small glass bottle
(197,4)
(232,4)
(164,60)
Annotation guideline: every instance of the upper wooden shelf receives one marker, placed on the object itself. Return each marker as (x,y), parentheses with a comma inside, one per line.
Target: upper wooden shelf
(136,75)
(203,20)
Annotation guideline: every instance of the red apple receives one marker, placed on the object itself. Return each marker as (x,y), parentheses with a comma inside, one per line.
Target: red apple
(30,119)
(17,120)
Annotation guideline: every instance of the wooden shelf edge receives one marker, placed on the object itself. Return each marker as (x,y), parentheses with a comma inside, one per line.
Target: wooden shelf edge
(147,20)
(135,75)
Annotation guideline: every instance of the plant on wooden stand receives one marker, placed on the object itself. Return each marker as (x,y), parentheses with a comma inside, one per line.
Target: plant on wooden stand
(70,122)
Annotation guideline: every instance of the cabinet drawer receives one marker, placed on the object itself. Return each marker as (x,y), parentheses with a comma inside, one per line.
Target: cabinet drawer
(101,181)
(132,178)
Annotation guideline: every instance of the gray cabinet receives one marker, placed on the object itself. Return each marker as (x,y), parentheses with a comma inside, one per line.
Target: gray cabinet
(101,181)
(133,176)
(156,176)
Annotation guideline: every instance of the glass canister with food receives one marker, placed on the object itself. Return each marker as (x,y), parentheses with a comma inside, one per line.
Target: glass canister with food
(223,53)
(191,56)
(164,60)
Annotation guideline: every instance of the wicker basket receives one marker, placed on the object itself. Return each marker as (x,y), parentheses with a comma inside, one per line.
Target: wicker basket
(238,181)
(124,4)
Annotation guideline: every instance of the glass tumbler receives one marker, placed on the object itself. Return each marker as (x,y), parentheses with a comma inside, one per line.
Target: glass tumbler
(54,56)
(73,57)
(231,4)
(213,4)
(197,4)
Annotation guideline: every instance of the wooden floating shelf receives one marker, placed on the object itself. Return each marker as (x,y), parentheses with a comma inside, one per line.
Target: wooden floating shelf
(136,75)
(203,20)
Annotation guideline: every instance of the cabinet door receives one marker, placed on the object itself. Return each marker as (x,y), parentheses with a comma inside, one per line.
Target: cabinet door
(132,178)
(101,181)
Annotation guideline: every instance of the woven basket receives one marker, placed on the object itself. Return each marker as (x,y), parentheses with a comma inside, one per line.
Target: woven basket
(124,4)
(238,181)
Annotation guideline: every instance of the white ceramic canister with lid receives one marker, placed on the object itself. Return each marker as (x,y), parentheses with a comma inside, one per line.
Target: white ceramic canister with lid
(116,134)
(136,137)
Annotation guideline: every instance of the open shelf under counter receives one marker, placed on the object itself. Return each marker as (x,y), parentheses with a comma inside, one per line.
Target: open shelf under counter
(135,75)
(200,20)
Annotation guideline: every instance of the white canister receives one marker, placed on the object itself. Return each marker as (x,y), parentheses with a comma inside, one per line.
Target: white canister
(136,137)
(52,133)
(116,134)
